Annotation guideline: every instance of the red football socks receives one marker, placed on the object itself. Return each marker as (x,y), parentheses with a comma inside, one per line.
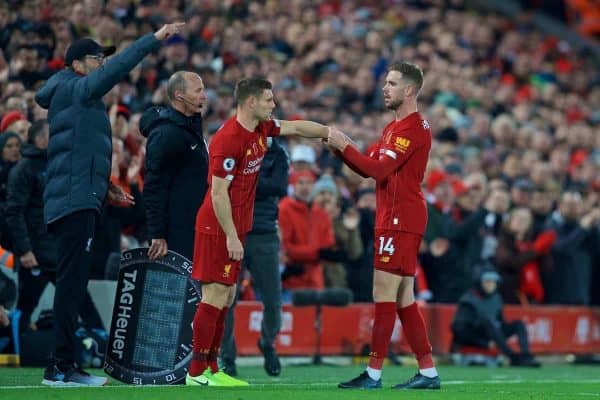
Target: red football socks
(205,323)
(383,326)
(416,334)
(216,344)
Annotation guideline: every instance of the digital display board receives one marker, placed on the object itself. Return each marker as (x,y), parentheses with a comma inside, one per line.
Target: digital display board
(151,330)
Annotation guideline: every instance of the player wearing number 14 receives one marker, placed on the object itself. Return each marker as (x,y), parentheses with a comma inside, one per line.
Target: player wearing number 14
(397,162)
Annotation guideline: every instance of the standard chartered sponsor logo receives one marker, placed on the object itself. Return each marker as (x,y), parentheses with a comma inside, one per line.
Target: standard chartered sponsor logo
(253,166)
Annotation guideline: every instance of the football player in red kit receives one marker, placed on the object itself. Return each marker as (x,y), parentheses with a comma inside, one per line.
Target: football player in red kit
(398,164)
(236,152)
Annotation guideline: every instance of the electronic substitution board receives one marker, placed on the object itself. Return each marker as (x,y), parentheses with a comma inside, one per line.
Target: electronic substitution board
(151,330)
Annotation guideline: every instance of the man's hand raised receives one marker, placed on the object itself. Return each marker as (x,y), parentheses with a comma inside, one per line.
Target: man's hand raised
(169,30)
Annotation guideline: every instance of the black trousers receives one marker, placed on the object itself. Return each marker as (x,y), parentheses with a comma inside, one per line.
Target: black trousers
(481,334)
(74,236)
(31,288)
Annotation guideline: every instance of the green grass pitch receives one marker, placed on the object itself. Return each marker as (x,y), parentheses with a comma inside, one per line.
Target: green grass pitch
(296,382)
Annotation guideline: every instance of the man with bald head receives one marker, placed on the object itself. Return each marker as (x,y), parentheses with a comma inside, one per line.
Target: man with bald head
(176,166)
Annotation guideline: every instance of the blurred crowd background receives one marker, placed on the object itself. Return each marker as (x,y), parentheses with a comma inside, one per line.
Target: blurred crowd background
(513,180)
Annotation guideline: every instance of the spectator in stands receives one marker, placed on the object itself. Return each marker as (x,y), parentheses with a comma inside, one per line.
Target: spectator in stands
(360,272)
(302,157)
(10,120)
(261,258)
(176,166)
(520,256)
(115,226)
(349,246)
(541,208)
(438,259)
(33,245)
(10,146)
(306,230)
(574,253)
(479,321)
(520,193)
(8,296)
(29,66)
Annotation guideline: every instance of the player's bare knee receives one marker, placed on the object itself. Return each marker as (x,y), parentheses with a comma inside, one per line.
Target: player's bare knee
(405,296)
(385,286)
(215,294)
(405,299)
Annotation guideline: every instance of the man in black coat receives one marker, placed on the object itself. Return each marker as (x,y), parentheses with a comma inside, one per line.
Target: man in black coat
(79,158)
(574,254)
(176,166)
(33,246)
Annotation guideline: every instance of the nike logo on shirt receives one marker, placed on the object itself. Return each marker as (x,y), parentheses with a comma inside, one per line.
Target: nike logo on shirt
(193,147)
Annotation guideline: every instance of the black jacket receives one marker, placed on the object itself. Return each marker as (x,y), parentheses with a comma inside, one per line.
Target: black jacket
(25,207)
(449,275)
(272,185)
(80,148)
(575,253)
(474,308)
(176,176)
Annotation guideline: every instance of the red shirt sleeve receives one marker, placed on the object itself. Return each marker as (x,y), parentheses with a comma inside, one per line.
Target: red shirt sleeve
(225,157)
(372,152)
(392,155)
(271,127)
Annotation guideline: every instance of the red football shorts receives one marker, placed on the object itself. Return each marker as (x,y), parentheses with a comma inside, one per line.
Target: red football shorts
(396,252)
(211,260)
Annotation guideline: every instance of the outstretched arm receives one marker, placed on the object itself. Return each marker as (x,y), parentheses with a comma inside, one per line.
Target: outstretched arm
(100,81)
(306,129)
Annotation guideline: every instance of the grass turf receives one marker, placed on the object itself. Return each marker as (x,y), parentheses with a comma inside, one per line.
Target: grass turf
(295,382)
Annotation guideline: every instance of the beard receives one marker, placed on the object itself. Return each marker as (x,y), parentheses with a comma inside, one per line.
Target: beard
(394,104)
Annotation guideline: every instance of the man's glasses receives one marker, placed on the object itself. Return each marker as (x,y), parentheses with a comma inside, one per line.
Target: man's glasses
(99,57)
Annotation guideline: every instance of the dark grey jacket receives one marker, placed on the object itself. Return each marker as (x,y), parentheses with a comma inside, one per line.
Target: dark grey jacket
(575,254)
(25,208)
(80,148)
(175,182)
(475,308)
(272,185)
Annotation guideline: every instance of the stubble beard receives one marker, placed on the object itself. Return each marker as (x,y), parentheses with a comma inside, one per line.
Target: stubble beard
(394,105)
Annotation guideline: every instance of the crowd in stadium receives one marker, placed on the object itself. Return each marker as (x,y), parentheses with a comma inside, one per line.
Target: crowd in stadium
(513,180)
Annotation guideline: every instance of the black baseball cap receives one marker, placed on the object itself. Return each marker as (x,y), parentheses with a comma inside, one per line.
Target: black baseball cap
(86,47)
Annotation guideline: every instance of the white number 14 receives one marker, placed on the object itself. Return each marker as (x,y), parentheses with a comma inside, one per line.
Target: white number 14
(386,246)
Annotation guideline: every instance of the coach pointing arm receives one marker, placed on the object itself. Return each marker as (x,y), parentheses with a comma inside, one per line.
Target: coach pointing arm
(100,81)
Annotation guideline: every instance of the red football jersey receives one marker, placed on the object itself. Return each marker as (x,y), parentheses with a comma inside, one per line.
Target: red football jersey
(400,202)
(236,155)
